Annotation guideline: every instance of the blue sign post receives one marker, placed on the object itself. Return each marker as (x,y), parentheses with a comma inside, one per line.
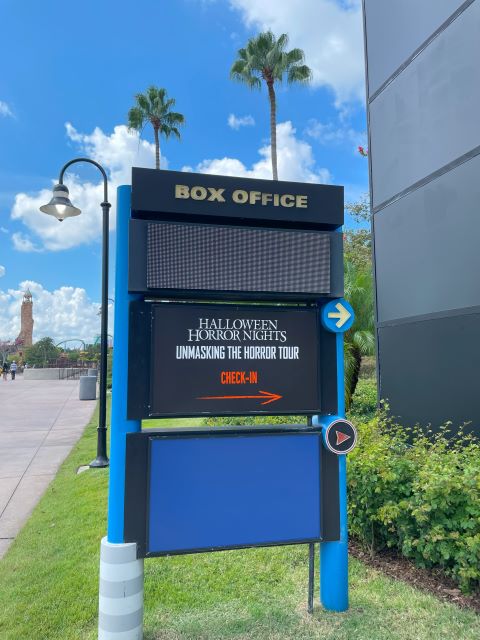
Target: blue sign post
(175,491)
(337,317)
(121,572)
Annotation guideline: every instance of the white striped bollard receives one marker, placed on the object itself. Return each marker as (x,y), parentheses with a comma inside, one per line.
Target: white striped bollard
(120,615)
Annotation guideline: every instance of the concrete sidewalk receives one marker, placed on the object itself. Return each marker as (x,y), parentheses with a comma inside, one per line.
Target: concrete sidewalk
(40,421)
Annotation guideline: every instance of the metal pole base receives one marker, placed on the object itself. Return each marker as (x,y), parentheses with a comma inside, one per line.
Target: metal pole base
(99,462)
(334,575)
(120,615)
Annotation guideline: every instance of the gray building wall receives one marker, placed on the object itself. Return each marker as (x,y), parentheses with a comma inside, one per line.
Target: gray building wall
(423,95)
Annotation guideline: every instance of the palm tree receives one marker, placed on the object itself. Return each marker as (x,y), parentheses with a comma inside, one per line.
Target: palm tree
(360,339)
(154,106)
(265,58)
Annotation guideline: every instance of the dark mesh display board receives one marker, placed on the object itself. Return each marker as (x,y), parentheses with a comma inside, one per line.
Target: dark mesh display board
(204,257)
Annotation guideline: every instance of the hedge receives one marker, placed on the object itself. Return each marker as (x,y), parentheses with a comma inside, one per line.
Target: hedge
(418,493)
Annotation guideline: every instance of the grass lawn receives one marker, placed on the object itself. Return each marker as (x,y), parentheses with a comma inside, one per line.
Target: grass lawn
(172,422)
(49,584)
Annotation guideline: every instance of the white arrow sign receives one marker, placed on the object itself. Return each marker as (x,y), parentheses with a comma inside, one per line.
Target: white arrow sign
(343,315)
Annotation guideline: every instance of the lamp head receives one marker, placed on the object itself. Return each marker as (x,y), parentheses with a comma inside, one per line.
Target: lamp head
(60,206)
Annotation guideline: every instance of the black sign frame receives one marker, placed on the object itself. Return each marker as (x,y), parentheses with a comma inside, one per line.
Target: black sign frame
(139,405)
(137,497)
(138,257)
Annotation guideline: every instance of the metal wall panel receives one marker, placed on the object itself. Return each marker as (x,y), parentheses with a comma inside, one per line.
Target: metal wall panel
(427,247)
(429,370)
(396,28)
(423,120)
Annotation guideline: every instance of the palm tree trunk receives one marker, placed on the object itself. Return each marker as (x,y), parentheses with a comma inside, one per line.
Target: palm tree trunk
(273,127)
(157,148)
(356,371)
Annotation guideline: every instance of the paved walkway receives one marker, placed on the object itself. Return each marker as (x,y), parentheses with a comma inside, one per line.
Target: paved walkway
(40,421)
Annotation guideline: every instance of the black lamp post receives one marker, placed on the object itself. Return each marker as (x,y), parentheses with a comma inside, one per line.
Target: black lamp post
(60,207)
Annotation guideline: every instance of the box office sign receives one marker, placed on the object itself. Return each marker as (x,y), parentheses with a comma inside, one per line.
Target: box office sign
(232,360)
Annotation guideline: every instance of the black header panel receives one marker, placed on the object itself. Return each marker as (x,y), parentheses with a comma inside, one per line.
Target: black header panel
(177,195)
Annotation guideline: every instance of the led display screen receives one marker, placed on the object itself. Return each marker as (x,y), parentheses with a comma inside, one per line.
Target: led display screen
(190,256)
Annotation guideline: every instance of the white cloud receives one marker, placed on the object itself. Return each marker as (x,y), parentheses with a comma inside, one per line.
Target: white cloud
(4,230)
(329,134)
(2,270)
(66,312)
(329,32)
(23,243)
(5,110)
(117,152)
(235,122)
(295,161)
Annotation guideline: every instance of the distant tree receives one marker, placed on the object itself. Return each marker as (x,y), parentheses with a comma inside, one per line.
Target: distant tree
(357,247)
(360,211)
(265,58)
(155,107)
(40,353)
(358,240)
(6,348)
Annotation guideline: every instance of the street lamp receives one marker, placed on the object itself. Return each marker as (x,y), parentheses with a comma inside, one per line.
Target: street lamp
(60,207)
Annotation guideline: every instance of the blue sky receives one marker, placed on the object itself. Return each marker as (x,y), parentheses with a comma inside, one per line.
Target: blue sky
(69,76)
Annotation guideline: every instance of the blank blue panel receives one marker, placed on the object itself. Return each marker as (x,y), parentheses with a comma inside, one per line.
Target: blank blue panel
(219,491)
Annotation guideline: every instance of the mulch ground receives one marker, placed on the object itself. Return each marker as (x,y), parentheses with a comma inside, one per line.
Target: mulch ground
(434,581)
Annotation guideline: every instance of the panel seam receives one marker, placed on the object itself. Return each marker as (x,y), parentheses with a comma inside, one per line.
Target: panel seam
(419,49)
(429,178)
(435,315)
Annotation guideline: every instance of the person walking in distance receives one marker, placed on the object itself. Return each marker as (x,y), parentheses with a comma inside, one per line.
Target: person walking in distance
(5,370)
(13,369)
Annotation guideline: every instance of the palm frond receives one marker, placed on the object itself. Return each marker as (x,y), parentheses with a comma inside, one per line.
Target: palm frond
(364,341)
(174,118)
(295,56)
(265,56)
(299,73)
(282,41)
(155,106)
(135,119)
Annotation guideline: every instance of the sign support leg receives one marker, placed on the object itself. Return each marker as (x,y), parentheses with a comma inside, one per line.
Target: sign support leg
(311,576)
(121,574)
(334,555)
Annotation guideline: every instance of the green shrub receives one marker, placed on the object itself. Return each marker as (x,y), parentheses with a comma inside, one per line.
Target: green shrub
(420,494)
(248,421)
(364,402)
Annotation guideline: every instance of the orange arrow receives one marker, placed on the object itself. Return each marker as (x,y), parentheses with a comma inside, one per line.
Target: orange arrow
(265,395)
(341,437)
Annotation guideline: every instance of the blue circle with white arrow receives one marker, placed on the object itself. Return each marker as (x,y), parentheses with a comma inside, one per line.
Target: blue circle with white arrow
(337,316)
